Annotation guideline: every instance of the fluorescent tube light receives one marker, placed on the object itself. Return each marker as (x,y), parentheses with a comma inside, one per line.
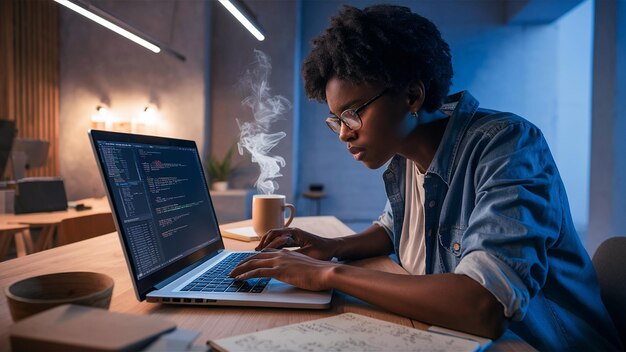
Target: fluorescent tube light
(110,25)
(235,11)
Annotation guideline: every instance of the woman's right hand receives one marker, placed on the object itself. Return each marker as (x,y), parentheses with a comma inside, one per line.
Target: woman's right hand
(312,245)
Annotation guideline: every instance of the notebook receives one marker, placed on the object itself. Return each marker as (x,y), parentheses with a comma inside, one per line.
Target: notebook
(343,333)
(77,328)
(168,229)
(245,234)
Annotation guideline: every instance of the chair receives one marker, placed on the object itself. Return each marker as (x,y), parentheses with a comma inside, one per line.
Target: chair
(84,227)
(610,264)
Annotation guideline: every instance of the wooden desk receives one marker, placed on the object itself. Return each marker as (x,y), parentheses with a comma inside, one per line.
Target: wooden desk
(48,222)
(104,254)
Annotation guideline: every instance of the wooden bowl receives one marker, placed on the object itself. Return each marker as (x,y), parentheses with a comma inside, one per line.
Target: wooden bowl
(33,295)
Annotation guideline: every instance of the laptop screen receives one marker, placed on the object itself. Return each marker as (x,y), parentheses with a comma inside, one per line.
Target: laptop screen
(162,205)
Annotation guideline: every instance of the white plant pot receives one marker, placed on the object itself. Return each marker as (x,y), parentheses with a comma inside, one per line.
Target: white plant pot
(219,186)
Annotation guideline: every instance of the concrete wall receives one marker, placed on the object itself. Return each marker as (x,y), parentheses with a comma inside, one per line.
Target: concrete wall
(99,66)
(232,53)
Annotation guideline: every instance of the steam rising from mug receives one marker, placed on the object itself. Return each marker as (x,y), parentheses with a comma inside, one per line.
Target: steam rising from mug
(266,109)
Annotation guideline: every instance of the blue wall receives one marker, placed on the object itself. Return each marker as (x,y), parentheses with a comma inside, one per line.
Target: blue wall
(608,162)
(541,72)
(572,138)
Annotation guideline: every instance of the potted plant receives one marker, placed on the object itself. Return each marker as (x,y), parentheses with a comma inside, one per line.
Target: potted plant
(219,170)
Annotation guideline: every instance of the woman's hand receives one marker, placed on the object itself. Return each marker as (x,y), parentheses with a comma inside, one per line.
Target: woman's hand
(287,266)
(312,245)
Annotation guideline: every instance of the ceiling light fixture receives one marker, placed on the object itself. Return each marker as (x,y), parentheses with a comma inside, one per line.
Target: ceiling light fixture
(245,19)
(111,22)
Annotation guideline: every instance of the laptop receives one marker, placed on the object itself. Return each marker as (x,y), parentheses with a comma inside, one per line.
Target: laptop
(169,232)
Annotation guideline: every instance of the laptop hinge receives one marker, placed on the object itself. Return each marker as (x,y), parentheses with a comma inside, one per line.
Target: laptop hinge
(171,279)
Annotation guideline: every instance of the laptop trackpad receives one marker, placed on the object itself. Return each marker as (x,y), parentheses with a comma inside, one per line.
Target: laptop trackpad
(280,287)
(276,286)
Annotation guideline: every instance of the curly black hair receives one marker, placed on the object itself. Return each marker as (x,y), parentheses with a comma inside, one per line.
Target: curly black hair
(383,44)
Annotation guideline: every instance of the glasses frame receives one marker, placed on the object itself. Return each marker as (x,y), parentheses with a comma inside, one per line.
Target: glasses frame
(338,120)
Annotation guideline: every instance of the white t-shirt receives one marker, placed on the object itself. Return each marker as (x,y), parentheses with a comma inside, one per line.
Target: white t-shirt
(412,244)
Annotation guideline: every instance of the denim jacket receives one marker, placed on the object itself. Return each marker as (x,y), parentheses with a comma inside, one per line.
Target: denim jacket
(496,210)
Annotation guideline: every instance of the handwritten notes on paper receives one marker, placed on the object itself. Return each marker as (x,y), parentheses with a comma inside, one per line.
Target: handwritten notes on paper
(342,333)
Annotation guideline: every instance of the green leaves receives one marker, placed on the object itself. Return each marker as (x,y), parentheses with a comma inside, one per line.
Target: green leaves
(220,170)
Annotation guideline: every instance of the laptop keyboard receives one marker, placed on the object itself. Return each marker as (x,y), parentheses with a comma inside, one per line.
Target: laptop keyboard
(216,279)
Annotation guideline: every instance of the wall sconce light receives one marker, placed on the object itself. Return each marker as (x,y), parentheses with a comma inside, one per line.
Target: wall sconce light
(149,111)
(145,122)
(243,16)
(118,26)
(102,119)
(102,111)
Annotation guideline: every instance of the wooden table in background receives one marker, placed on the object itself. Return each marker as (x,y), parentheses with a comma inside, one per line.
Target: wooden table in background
(17,233)
(48,222)
(104,254)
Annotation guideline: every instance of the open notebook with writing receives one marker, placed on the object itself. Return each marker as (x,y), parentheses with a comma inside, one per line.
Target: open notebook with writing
(344,332)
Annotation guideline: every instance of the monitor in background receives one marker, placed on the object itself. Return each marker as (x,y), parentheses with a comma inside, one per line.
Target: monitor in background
(7,134)
(27,154)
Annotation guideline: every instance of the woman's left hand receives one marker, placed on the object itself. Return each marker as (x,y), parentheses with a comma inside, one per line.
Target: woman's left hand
(294,268)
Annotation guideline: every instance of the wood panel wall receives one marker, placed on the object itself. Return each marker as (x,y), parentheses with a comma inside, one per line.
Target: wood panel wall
(6,60)
(29,60)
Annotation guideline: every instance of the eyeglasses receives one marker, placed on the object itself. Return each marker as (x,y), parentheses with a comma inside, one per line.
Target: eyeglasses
(350,117)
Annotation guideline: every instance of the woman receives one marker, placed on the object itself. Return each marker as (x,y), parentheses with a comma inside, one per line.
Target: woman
(477,211)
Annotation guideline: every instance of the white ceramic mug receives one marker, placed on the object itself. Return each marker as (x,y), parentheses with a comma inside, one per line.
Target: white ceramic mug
(268,212)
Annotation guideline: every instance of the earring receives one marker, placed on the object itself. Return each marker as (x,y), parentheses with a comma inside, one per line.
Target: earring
(417,117)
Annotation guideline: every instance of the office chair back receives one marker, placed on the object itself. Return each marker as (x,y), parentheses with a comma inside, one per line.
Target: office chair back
(610,264)
(84,227)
